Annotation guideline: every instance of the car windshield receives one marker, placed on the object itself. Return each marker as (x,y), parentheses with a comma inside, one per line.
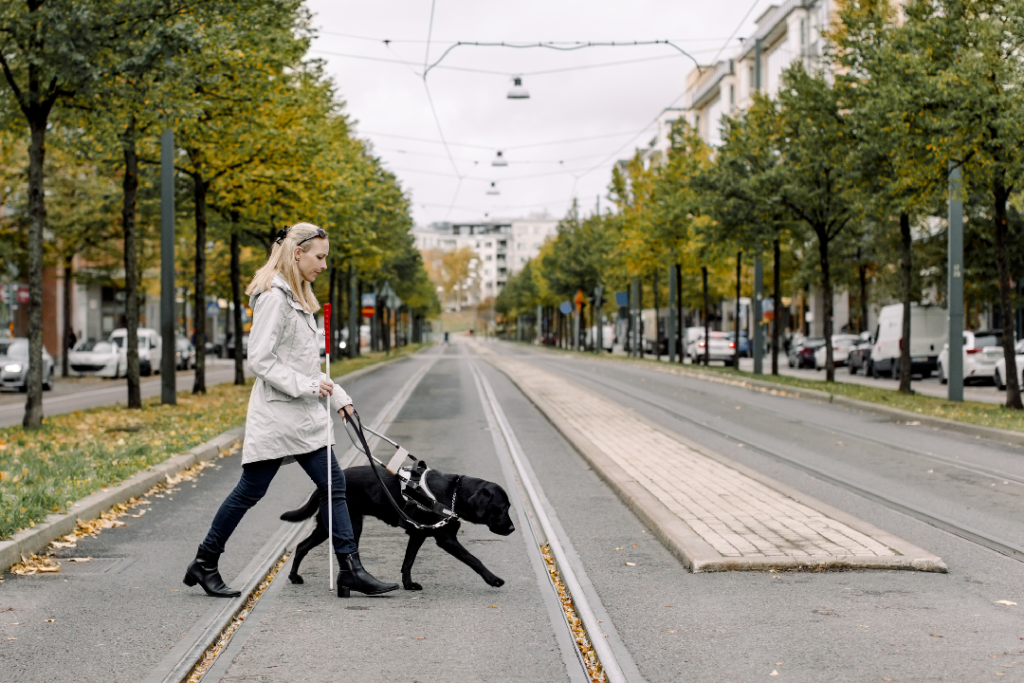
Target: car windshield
(14,347)
(814,342)
(96,346)
(982,341)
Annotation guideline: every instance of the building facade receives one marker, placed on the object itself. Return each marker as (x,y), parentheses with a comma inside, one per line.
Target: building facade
(502,248)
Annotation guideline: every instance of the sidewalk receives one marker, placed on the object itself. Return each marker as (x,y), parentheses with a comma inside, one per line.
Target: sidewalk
(713,513)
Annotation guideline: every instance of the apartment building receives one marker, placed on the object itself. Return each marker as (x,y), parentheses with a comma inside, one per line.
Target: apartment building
(502,247)
(784,33)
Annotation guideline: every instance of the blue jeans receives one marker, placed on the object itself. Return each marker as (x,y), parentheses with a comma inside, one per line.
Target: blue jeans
(256,478)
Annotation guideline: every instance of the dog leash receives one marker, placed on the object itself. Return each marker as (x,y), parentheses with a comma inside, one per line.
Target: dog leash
(447,515)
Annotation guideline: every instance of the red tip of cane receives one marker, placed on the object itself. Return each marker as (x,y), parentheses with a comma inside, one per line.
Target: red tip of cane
(327,328)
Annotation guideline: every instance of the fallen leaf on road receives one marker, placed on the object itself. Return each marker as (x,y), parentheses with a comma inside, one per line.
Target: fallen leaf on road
(63,544)
(1005,602)
(79,559)
(863,626)
(631,564)
(774,673)
(49,621)
(936,635)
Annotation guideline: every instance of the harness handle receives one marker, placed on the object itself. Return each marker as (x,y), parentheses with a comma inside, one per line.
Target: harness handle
(357,423)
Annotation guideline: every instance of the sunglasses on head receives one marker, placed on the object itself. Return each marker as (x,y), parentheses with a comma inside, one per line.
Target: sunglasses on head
(320,232)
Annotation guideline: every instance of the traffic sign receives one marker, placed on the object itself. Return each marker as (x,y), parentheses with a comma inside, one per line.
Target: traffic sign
(580,299)
(565,307)
(622,299)
(369,305)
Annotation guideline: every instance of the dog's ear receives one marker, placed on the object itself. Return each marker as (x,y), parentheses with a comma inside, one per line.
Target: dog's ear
(480,501)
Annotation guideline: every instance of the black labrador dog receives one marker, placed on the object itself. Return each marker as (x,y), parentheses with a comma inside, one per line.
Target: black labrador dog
(476,500)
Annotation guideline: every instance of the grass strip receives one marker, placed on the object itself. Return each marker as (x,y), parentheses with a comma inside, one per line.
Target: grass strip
(45,470)
(970,412)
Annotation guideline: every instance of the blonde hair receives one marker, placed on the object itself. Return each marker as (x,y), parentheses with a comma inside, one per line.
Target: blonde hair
(281,262)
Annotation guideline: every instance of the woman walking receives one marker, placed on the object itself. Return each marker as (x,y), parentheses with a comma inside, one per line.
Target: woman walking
(285,420)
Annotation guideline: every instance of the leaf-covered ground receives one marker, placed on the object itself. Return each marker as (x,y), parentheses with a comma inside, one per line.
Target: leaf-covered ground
(70,456)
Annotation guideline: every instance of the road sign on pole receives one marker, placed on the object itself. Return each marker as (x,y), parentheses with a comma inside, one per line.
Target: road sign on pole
(369,305)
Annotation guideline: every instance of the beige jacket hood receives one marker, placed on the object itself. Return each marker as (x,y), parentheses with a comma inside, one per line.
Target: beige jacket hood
(286,417)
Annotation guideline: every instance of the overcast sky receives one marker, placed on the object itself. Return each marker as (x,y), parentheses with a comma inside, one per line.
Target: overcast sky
(612,101)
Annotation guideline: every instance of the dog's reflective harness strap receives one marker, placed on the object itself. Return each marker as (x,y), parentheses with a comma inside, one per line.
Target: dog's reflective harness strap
(426,500)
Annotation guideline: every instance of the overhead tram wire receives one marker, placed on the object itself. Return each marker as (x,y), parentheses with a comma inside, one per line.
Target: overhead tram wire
(532,145)
(673,103)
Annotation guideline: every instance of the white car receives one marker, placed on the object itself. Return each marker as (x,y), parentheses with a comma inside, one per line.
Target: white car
(722,348)
(979,363)
(98,358)
(842,344)
(607,337)
(999,374)
(150,349)
(14,365)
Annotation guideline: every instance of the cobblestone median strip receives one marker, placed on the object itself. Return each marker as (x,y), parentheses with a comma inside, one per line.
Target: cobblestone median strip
(713,514)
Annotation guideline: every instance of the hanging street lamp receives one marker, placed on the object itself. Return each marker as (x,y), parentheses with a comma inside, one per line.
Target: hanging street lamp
(518,92)
(499,160)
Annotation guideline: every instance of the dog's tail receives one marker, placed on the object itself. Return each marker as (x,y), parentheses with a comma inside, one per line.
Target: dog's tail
(308,509)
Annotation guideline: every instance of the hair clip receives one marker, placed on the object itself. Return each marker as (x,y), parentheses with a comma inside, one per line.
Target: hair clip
(280,236)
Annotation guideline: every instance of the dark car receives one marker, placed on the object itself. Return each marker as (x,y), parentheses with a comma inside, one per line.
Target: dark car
(860,354)
(802,355)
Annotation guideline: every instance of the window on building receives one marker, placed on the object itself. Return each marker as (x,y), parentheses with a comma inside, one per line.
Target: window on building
(487,258)
(753,80)
(487,245)
(732,94)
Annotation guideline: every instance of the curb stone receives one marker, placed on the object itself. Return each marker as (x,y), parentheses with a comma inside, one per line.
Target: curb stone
(37,538)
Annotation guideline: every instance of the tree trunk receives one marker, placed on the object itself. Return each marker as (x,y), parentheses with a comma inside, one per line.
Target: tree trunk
(826,293)
(236,299)
(906,273)
(332,278)
(199,188)
(37,221)
(736,318)
(707,324)
(640,316)
(130,188)
(1002,195)
(776,303)
(67,316)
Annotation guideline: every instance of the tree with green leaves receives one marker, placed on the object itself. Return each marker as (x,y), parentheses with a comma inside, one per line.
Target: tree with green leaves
(43,63)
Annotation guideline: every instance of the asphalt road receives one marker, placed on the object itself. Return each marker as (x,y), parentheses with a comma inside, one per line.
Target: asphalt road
(670,624)
(78,393)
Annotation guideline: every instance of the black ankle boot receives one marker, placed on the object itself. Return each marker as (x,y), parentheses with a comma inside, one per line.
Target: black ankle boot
(203,571)
(352,577)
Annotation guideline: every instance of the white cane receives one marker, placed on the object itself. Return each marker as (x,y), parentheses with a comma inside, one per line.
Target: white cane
(330,426)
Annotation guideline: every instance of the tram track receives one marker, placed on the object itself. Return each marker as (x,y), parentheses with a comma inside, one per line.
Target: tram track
(966,532)
(599,652)
(211,636)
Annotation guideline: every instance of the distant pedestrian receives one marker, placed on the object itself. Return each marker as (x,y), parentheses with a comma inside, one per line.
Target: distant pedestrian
(72,339)
(286,419)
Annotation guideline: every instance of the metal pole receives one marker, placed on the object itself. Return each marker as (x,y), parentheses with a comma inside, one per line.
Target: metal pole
(955,371)
(634,341)
(598,321)
(671,331)
(330,427)
(168,379)
(758,331)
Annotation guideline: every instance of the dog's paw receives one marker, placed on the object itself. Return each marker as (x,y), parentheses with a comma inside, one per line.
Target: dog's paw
(495,581)
(295,578)
(412,586)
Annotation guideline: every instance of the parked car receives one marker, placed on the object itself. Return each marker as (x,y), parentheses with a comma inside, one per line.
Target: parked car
(149,349)
(607,337)
(184,353)
(721,348)
(982,349)
(229,344)
(14,365)
(999,374)
(801,353)
(929,330)
(841,346)
(99,358)
(860,353)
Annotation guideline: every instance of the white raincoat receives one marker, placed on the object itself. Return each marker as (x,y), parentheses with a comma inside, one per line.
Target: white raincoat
(286,416)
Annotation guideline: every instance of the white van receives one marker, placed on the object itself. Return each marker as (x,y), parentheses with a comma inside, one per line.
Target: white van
(929,330)
(150,349)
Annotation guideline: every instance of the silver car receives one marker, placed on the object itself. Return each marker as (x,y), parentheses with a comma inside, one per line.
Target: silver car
(14,365)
